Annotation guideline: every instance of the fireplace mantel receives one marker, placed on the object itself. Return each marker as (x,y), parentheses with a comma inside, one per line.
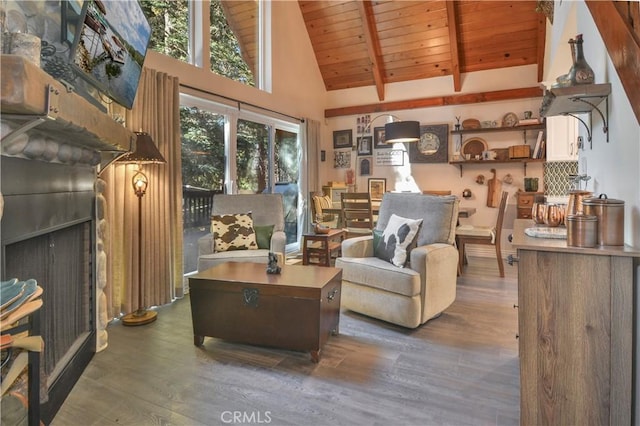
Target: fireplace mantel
(31,98)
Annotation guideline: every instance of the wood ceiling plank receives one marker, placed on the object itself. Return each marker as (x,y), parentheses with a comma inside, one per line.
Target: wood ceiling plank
(402,55)
(417,48)
(486,39)
(333,19)
(334,27)
(373,46)
(398,9)
(434,18)
(328,10)
(417,73)
(416,61)
(339,56)
(427,38)
(344,36)
(308,6)
(346,69)
(461,99)
(518,58)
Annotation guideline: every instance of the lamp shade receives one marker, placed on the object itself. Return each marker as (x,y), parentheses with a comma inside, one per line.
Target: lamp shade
(402,131)
(146,151)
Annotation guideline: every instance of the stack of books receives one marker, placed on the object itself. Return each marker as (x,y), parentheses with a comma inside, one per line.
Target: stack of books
(540,150)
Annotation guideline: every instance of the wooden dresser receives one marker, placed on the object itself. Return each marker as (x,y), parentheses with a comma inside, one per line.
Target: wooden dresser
(576,331)
(525,202)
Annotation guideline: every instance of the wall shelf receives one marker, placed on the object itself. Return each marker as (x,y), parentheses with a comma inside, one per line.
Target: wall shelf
(524,161)
(578,99)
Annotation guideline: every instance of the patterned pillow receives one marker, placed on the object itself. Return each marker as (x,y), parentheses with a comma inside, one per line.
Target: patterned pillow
(395,239)
(233,232)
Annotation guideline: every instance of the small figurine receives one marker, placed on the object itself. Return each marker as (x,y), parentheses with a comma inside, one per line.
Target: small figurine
(272,266)
(457,123)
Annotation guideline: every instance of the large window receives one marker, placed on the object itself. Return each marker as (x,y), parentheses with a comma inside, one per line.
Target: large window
(226,150)
(230,38)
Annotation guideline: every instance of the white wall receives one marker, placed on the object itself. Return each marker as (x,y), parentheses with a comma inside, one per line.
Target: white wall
(444,175)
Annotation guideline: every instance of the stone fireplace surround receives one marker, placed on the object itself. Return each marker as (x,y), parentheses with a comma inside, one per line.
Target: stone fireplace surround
(52,144)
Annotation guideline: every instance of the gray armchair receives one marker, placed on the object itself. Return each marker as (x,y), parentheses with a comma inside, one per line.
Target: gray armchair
(412,295)
(266,209)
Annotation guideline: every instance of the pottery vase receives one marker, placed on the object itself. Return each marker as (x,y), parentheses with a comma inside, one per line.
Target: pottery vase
(581,72)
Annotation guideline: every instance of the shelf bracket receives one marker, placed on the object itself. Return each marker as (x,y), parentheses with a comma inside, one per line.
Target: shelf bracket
(605,120)
(588,128)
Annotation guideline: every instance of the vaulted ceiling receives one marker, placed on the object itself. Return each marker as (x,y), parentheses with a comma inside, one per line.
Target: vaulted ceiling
(372,43)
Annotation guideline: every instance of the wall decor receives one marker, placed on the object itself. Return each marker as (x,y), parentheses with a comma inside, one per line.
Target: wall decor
(342,139)
(365,166)
(378,139)
(377,187)
(323,155)
(433,146)
(342,159)
(390,157)
(365,145)
(363,122)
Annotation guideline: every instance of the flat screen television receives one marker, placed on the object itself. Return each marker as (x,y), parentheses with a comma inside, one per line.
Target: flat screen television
(108,40)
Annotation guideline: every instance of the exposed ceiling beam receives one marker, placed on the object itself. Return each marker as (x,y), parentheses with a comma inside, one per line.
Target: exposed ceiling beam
(453,42)
(470,98)
(622,46)
(373,44)
(541,38)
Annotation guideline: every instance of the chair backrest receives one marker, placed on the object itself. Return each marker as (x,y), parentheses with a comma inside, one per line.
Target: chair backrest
(502,208)
(356,210)
(266,209)
(436,192)
(318,203)
(439,214)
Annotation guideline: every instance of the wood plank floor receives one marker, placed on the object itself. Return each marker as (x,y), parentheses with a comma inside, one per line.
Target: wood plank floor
(458,369)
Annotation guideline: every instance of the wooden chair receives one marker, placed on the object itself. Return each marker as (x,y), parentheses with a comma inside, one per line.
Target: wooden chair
(357,214)
(487,235)
(436,192)
(318,202)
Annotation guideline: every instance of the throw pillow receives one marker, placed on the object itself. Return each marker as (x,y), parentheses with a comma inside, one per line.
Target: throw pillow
(396,238)
(233,232)
(263,235)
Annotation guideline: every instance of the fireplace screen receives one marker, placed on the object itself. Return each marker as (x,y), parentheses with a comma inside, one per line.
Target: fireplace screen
(60,261)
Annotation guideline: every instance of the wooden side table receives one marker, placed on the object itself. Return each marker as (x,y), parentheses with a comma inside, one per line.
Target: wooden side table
(318,248)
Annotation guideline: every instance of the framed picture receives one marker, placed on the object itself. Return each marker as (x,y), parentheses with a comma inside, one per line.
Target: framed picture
(377,187)
(342,139)
(365,145)
(390,157)
(342,159)
(365,166)
(378,139)
(433,146)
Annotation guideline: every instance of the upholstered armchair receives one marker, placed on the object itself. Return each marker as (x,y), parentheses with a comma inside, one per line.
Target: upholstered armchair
(266,210)
(418,290)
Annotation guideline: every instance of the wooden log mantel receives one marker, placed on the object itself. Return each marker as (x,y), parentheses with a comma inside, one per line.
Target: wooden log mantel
(29,93)
(469,98)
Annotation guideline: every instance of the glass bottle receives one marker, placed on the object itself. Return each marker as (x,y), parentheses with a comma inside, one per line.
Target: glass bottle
(582,72)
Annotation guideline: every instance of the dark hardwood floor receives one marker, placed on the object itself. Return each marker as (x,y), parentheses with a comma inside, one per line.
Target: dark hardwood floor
(458,369)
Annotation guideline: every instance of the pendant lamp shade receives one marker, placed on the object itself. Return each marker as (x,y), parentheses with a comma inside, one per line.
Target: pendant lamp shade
(402,131)
(145,153)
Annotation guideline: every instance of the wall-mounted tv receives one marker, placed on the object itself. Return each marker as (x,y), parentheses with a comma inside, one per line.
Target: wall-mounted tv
(109,45)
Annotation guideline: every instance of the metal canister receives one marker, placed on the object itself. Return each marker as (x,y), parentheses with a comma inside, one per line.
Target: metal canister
(582,230)
(610,214)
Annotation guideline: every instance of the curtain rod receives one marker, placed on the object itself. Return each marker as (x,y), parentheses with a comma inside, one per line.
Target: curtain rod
(239,102)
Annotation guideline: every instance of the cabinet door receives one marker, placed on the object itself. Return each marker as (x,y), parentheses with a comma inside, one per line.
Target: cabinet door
(562,138)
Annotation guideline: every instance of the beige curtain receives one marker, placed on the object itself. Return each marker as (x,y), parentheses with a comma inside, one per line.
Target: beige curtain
(155,111)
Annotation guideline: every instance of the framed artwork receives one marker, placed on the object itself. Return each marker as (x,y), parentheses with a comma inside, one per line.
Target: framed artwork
(342,159)
(377,187)
(378,139)
(365,166)
(342,139)
(390,157)
(365,145)
(433,146)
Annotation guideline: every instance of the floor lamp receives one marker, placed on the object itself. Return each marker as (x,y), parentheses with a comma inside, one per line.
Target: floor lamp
(145,153)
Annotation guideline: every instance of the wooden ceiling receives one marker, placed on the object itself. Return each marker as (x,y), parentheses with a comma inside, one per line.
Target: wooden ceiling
(372,43)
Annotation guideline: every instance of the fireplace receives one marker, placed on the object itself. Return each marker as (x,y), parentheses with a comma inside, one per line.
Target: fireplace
(52,141)
(48,234)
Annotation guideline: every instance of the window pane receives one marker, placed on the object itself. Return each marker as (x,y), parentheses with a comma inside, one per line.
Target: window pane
(252,159)
(233,38)
(203,168)
(286,176)
(169,22)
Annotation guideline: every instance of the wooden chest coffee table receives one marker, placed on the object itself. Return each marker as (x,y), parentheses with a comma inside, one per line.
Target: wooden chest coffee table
(238,301)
